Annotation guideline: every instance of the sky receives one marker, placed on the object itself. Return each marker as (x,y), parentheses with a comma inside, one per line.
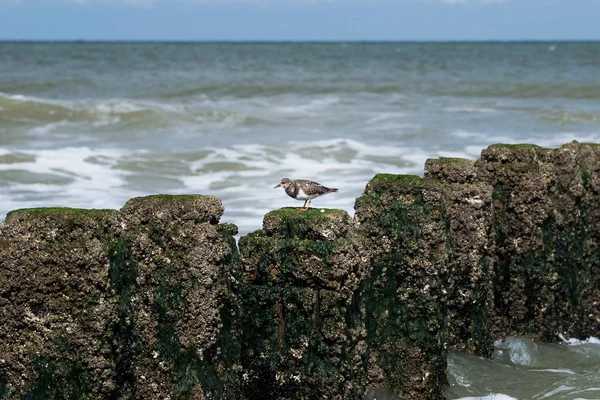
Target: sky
(299,20)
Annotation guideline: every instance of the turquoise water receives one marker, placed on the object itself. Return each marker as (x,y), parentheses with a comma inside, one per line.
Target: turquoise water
(94,124)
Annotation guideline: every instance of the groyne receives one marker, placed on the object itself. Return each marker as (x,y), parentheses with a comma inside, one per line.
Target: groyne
(156,300)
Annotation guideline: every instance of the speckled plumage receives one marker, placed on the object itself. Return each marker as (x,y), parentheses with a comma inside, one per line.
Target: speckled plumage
(302,189)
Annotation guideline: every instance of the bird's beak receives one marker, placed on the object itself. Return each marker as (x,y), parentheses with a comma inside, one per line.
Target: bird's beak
(278,185)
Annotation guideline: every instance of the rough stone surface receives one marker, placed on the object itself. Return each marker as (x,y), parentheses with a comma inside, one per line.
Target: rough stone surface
(179,303)
(545,213)
(139,303)
(404,220)
(470,263)
(56,307)
(303,328)
(152,301)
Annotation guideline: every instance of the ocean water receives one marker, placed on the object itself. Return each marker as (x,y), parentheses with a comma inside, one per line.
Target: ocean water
(94,124)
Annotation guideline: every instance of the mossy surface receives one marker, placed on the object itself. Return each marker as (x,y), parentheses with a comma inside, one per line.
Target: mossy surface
(64,212)
(58,379)
(310,214)
(137,303)
(516,146)
(188,368)
(169,197)
(3,386)
(312,224)
(544,255)
(59,312)
(393,178)
(295,344)
(450,160)
(404,303)
(123,274)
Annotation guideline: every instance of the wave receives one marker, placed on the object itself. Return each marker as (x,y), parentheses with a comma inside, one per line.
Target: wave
(544,90)
(564,117)
(120,114)
(242,175)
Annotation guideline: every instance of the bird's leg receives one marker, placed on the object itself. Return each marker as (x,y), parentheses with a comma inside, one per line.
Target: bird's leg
(309,201)
(305,207)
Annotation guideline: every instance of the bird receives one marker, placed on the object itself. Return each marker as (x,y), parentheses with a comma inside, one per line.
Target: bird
(301,189)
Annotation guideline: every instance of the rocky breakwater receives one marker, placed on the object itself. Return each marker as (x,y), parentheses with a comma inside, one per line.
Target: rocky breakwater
(303,327)
(525,243)
(136,303)
(154,301)
(333,307)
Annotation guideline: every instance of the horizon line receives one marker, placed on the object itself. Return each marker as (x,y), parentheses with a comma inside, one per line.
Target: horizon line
(293,41)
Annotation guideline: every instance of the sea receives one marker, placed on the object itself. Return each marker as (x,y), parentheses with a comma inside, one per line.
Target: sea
(93,124)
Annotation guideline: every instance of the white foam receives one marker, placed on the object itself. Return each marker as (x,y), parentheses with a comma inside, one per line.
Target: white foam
(493,396)
(309,108)
(118,107)
(43,130)
(471,109)
(577,342)
(263,167)
(32,99)
(522,351)
(556,370)
(485,138)
(85,183)
(559,389)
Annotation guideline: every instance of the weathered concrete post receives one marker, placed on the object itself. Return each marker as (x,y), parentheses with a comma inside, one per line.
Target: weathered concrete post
(139,303)
(57,312)
(303,326)
(545,227)
(183,335)
(470,291)
(405,219)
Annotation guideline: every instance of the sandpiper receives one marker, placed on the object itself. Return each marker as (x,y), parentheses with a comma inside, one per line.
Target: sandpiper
(301,189)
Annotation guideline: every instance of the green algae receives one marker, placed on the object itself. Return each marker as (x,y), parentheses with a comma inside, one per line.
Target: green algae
(188,367)
(59,379)
(393,178)
(291,266)
(65,212)
(586,176)
(450,160)
(307,216)
(311,224)
(516,146)
(399,319)
(122,274)
(214,369)
(169,197)
(388,186)
(230,312)
(227,230)
(3,386)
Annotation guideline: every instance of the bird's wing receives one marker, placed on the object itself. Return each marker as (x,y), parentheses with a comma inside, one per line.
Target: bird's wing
(311,187)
